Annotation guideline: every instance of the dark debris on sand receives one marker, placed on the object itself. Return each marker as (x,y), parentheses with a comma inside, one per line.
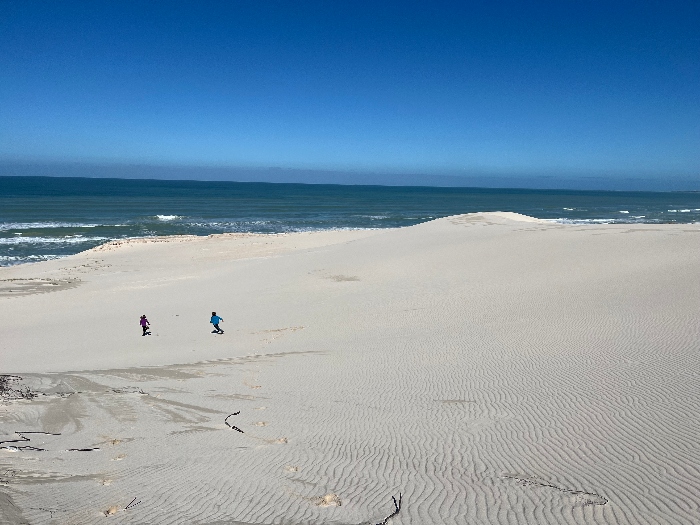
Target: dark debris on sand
(10,389)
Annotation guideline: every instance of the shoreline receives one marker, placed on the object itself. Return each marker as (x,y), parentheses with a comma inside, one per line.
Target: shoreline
(31,237)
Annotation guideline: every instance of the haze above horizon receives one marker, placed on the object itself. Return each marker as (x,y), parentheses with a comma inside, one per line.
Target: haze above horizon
(447,90)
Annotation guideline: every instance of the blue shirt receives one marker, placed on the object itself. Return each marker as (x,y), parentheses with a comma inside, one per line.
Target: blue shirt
(215,319)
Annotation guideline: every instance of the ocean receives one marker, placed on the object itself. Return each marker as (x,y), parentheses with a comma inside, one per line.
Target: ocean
(45,218)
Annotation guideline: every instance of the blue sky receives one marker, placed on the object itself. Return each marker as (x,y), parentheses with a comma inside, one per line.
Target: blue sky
(451,88)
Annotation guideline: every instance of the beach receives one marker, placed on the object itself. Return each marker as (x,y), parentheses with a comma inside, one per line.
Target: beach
(486,368)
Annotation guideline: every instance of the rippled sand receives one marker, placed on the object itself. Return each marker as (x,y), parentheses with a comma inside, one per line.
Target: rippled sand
(489,368)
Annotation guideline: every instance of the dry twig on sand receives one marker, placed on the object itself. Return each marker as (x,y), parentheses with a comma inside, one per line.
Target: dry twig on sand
(24,439)
(132,504)
(397,508)
(231,426)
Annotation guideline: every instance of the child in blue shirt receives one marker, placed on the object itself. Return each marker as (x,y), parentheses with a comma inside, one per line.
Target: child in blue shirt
(215,320)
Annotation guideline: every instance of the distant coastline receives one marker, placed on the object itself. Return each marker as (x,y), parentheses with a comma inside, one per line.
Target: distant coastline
(522,179)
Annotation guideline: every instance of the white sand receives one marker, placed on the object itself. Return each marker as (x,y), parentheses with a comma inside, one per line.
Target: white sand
(492,368)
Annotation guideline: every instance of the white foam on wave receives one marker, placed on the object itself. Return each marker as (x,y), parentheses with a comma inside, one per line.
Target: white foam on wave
(623,211)
(373,217)
(635,219)
(230,226)
(563,220)
(332,229)
(75,239)
(5,226)
(168,217)
(28,258)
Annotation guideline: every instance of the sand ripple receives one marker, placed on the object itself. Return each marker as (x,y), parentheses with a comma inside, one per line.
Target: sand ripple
(490,371)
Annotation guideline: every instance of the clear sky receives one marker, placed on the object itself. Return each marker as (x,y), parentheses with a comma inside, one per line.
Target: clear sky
(505,87)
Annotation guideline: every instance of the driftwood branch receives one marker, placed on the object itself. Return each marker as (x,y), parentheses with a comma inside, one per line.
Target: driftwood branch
(24,439)
(232,426)
(132,504)
(397,509)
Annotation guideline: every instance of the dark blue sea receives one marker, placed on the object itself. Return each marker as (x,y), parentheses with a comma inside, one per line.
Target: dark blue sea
(45,218)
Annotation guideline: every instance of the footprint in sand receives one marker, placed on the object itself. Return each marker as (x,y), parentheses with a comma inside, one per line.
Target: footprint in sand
(329,500)
(260,423)
(119,457)
(110,511)
(291,468)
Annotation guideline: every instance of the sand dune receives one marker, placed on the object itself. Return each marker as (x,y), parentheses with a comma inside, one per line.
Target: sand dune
(491,368)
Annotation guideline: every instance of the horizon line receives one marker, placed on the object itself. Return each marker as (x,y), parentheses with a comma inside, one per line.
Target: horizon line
(495,179)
